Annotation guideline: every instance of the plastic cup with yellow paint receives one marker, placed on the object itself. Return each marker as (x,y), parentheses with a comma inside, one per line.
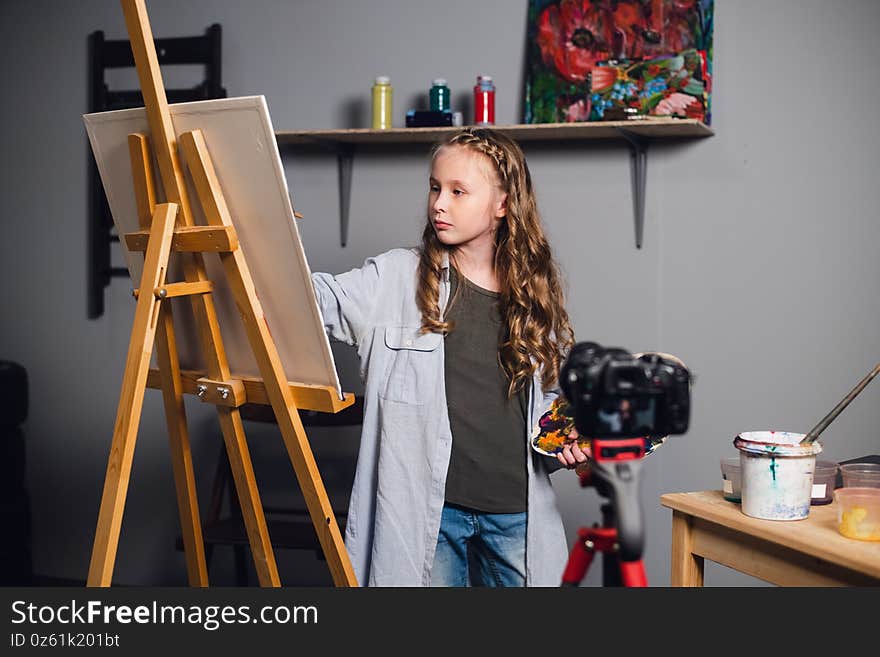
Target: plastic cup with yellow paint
(858,513)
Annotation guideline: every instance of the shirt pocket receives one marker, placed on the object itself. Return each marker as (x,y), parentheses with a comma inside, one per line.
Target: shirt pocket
(413,364)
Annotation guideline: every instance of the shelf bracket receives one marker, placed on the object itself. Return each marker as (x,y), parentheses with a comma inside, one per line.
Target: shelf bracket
(345,160)
(638,169)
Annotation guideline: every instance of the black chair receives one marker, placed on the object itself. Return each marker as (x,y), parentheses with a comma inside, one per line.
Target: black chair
(103,55)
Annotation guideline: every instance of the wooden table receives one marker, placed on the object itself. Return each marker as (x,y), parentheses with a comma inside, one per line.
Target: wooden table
(809,552)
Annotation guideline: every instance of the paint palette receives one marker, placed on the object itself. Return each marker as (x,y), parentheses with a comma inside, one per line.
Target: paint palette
(551,433)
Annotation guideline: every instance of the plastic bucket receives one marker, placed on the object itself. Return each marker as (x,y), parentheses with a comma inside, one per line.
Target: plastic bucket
(777,474)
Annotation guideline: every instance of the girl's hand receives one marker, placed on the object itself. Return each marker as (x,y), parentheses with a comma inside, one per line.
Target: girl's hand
(572,455)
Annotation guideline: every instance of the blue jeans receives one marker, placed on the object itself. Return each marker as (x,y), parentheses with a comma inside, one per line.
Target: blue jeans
(480,549)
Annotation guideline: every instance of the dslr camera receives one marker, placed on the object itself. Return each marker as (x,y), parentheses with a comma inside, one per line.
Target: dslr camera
(616,394)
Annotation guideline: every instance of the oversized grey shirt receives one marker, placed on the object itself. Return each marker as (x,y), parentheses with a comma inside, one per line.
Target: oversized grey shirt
(398,491)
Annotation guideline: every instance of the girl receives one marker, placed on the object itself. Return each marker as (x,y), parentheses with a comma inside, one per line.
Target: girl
(460,344)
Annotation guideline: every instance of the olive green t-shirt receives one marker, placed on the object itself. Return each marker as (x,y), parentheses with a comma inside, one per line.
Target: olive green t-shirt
(487,470)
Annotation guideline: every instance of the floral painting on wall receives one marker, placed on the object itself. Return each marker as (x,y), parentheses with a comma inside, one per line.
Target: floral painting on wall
(594,60)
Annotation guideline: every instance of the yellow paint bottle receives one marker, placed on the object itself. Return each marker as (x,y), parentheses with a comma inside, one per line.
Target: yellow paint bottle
(382,96)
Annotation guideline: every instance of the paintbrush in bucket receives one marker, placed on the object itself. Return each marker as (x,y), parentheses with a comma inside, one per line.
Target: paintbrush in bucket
(813,434)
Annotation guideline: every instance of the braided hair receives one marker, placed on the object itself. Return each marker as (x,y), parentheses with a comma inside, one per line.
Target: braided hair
(538,332)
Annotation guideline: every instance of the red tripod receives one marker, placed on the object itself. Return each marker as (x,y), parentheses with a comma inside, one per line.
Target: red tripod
(614,473)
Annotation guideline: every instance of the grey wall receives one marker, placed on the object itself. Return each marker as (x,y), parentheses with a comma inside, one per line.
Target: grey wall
(758,268)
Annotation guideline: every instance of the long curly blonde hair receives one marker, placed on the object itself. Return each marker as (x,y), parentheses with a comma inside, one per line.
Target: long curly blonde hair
(532,303)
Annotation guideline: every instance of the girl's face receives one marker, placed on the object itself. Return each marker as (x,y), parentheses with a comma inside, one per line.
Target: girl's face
(465,202)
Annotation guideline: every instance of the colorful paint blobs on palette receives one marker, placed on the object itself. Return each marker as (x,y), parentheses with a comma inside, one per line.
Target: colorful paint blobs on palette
(551,433)
(589,60)
(554,427)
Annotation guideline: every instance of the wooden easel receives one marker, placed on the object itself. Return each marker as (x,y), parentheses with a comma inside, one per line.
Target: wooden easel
(166,228)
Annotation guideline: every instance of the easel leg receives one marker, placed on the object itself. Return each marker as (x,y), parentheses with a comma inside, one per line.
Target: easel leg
(146,61)
(137,365)
(172,393)
(292,431)
(248,495)
(181,456)
(294,435)
(232,429)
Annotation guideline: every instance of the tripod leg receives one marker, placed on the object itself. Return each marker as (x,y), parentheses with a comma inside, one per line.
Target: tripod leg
(579,559)
(137,365)
(610,560)
(632,573)
(611,570)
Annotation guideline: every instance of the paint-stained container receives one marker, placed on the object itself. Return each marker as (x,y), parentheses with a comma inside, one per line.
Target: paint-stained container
(777,474)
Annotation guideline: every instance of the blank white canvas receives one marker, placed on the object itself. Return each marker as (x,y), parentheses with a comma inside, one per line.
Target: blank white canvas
(242,146)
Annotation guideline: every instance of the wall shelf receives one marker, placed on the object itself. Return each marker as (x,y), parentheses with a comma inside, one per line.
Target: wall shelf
(636,134)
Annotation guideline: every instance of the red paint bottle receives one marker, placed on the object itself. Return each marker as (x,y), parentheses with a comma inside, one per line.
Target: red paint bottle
(484,101)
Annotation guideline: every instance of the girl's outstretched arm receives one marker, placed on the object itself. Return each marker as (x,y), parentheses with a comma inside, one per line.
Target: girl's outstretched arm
(347,300)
